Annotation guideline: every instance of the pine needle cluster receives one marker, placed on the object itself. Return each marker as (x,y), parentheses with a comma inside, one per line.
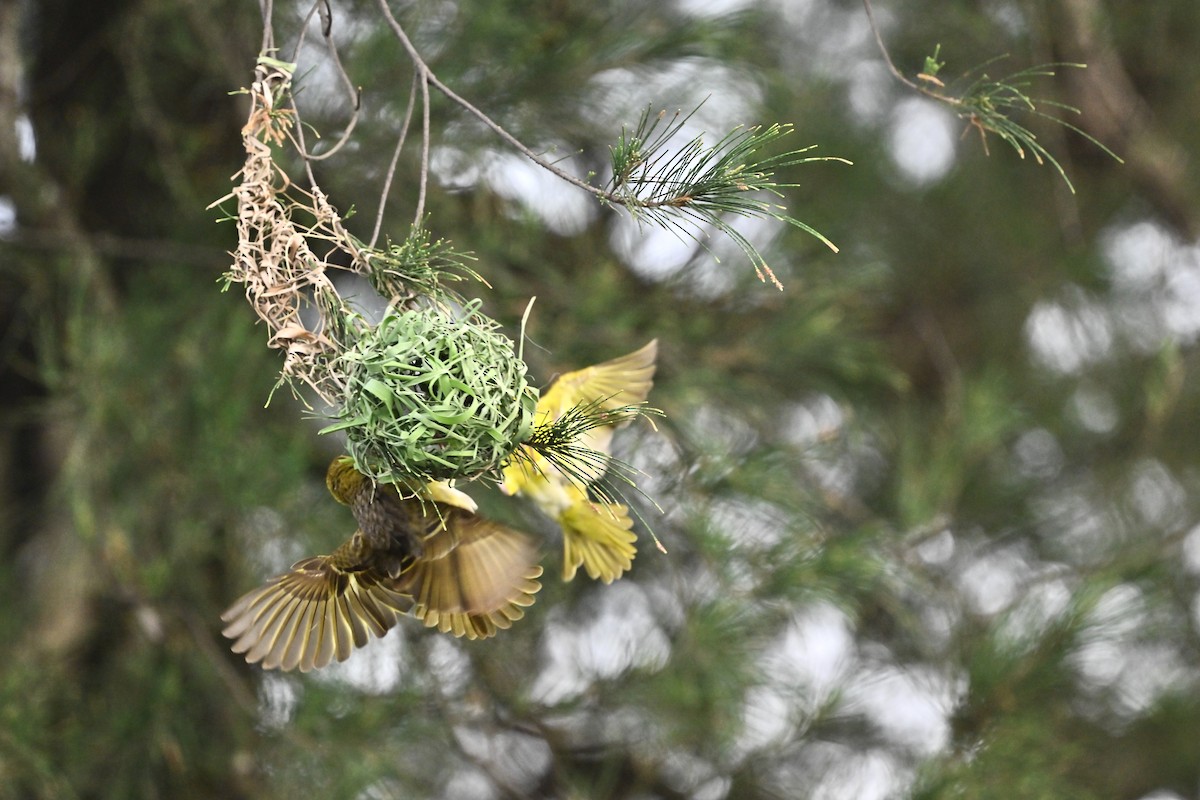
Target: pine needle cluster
(697,187)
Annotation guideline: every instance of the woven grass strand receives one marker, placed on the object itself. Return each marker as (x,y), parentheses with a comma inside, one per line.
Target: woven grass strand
(433,395)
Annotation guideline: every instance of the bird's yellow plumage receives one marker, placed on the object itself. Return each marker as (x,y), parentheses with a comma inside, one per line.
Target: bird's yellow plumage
(432,557)
(596,535)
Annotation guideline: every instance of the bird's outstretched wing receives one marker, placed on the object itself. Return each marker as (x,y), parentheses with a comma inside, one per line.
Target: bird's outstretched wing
(622,381)
(312,614)
(432,556)
(597,534)
(614,384)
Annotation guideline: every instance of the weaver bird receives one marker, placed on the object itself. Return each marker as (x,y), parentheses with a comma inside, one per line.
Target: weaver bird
(596,534)
(432,557)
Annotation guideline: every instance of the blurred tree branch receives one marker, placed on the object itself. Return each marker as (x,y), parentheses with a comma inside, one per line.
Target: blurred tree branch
(1115,112)
(990,105)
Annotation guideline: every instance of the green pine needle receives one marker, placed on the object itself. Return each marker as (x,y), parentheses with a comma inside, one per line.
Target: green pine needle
(990,105)
(695,187)
(606,478)
(418,267)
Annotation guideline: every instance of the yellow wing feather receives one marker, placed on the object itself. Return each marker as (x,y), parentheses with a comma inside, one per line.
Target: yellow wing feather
(623,381)
(311,615)
(596,535)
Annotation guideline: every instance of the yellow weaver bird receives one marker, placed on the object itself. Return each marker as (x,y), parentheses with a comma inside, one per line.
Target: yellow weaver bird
(432,557)
(596,534)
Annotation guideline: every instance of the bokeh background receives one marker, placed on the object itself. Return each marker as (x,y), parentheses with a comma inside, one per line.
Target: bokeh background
(931,511)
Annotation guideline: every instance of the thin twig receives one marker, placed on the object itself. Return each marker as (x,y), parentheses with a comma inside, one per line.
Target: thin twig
(391,170)
(354,92)
(268,40)
(304,31)
(424,77)
(424,70)
(297,135)
(891,65)
(322,8)
(883,48)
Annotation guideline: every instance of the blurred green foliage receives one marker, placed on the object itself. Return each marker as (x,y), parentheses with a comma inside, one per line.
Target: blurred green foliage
(906,529)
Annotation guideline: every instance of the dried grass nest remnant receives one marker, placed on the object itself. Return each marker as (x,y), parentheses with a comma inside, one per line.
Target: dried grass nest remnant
(434,391)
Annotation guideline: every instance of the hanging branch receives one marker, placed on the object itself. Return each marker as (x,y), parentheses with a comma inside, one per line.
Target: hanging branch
(391,170)
(434,390)
(987,104)
(700,185)
(410,391)
(701,188)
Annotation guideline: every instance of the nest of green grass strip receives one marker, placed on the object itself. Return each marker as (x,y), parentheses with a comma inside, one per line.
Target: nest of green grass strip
(433,394)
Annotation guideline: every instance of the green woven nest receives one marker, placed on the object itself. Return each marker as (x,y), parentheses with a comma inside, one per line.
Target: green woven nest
(432,396)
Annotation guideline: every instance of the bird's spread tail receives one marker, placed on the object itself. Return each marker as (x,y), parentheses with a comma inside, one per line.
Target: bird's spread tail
(481,584)
(597,536)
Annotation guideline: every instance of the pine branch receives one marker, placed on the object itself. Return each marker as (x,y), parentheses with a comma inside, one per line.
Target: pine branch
(698,186)
(988,105)
(705,186)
